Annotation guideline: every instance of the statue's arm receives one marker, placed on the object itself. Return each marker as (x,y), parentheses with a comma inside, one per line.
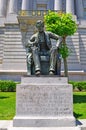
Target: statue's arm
(53,36)
(32,41)
(56,37)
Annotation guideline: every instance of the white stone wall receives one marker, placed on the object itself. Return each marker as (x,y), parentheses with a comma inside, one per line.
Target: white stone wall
(82,43)
(1,46)
(72,6)
(12,51)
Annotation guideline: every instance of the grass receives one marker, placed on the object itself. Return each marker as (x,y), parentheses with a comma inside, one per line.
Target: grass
(80,105)
(7,105)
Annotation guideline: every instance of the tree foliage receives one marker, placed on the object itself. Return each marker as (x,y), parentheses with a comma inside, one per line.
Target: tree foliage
(64,51)
(61,24)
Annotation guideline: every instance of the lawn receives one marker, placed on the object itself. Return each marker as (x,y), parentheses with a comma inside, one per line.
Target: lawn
(80,105)
(7,105)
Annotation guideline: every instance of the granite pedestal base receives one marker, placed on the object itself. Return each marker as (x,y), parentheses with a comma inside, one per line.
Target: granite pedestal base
(44,102)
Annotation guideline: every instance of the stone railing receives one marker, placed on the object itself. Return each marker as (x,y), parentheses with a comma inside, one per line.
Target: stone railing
(26,17)
(32,12)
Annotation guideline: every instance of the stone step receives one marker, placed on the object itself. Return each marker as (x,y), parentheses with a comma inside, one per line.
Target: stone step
(13,43)
(18,53)
(12,39)
(8,125)
(14,56)
(15,31)
(43,128)
(13,35)
(18,60)
(42,79)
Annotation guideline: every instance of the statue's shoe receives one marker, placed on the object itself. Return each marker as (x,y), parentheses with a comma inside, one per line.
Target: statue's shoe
(51,73)
(37,73)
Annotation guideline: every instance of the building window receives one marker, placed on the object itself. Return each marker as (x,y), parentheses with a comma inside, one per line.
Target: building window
(19,4)
(41,6)
(84,6)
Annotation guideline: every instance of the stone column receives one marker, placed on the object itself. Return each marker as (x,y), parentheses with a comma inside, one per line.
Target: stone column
(70,6)
(58,5)
(25,4)
(2,8)
(79,9)
(12,12)
(12,7)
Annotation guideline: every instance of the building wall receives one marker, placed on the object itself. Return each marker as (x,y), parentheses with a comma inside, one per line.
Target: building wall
(13,52)
(37,4)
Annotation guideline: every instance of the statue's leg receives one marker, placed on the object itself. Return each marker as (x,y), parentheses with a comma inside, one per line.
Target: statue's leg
(36,59)
(58,64)
(53,57)
(29,55)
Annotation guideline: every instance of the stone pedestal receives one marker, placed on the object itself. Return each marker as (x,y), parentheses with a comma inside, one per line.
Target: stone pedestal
(44,102)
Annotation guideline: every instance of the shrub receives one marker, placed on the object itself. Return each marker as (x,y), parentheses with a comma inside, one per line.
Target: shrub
(80,85)
(7,86)
(10,86)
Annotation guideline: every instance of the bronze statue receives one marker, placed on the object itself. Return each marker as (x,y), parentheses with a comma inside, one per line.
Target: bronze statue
(40,44)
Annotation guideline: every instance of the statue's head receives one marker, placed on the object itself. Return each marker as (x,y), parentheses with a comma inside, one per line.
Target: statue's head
(40,25)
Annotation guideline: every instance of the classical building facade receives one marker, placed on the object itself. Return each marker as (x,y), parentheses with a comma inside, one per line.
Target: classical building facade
(17,18)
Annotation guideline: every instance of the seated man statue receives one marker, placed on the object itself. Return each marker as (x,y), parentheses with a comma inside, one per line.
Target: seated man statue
(40,44)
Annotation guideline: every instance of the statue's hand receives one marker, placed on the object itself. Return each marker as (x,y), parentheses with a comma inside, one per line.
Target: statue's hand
(59,42)
(27,45)
(32,43)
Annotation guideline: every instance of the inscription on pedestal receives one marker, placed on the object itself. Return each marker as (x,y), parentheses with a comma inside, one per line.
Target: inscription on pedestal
(44,100)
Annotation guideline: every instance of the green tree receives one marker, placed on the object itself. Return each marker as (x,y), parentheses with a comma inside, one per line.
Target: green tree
(63,25)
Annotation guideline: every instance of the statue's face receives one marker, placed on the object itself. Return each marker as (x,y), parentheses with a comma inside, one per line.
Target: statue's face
(40,26)
(40,29)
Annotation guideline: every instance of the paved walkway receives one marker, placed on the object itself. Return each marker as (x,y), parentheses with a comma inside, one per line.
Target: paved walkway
(8,125)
